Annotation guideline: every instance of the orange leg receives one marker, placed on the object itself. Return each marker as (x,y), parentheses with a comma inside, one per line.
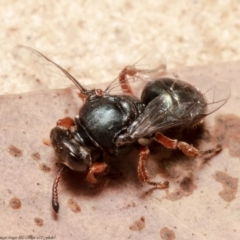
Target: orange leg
(96,168)
(127,71)
(66,122)
(186,148)
(142,173)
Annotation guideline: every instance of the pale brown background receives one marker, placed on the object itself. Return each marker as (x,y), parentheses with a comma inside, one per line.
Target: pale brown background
(95,39)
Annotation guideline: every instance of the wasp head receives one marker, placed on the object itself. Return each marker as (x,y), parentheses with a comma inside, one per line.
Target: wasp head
(70,152)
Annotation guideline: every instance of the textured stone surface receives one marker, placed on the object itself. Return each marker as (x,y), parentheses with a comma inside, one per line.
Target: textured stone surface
(96,39)
(198,207)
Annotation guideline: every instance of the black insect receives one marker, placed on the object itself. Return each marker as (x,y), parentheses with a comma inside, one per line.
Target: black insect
(109,124)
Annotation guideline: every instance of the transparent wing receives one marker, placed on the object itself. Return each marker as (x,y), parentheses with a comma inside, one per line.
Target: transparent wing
(149,67)
(184,106)
(216,96)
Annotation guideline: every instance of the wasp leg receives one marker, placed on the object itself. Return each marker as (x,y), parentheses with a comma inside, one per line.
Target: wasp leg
(127,71)
(55,204)
(211,152)
(186,148)
(96,168)
(66,122)
(142,173)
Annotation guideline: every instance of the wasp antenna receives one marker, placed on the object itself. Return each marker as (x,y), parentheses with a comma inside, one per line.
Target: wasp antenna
(83,90)
(55,204)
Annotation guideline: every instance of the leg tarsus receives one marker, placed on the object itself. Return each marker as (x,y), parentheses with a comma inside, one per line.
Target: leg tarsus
(96,168)
(186,148)
(207,154)
(142,173)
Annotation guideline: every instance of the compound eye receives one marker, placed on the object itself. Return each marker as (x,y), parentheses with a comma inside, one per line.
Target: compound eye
(70,153)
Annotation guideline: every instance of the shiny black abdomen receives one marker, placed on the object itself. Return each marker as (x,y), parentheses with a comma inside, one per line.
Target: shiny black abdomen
(106,117)
(180,103)
(169,87)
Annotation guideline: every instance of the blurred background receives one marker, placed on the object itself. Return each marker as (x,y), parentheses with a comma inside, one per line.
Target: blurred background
(94,40)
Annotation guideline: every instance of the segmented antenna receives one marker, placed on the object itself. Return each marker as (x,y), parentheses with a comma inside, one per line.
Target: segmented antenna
(83,90)
(55,204)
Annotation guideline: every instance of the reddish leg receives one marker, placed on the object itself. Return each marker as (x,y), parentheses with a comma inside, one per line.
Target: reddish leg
(96,168)
(66,122)
(130,71)
(211,152)
(142,173)
(186,148)
(55,204)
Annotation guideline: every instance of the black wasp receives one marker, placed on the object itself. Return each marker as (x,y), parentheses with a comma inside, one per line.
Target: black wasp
(107,124)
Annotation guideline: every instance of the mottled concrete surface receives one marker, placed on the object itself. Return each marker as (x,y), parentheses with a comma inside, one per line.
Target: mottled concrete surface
(94,39)
(201,203)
